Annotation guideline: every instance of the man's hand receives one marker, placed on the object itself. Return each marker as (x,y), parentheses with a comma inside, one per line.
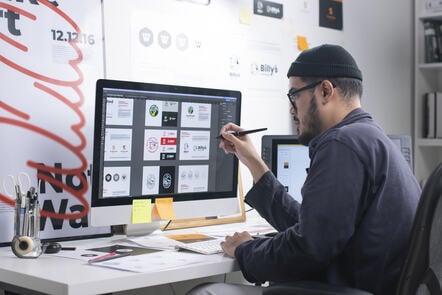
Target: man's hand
(231,242)
(243,149)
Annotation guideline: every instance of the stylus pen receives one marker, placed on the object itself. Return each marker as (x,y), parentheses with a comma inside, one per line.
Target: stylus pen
(109,256)
(241,133)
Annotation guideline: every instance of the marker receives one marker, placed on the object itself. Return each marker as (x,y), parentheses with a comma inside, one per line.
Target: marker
(242,133)
(109,256)
(51,248)
(68,248)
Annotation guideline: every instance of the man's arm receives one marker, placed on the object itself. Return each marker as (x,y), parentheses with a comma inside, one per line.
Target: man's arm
(243,149)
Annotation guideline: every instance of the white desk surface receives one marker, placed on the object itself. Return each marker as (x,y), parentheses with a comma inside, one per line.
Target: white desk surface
(64,276)
(59,275)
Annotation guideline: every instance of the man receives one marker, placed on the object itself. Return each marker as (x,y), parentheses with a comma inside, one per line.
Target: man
(359,197)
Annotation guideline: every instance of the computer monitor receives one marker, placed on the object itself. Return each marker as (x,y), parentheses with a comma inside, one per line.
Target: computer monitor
(404,144)
(153,141)
(288,160)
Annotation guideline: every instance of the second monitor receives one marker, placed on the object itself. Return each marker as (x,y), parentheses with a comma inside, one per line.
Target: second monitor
(288,160)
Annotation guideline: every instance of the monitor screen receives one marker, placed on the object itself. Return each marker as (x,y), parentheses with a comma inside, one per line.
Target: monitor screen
(288,160)
(153,141)
(404,144)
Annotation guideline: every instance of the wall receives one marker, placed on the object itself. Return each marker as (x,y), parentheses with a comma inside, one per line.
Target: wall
(377,33)
(380,36)
(226,30)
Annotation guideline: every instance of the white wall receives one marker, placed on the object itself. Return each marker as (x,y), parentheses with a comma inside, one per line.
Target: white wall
(378,33)
(380,36)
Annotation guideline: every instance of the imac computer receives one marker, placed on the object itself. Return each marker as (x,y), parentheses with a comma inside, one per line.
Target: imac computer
(288,160)
(155,141)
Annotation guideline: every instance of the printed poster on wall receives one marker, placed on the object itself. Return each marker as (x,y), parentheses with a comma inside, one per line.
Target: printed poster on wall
(51,54)
(331,14)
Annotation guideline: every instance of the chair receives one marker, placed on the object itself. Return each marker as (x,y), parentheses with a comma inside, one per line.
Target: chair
(422,270)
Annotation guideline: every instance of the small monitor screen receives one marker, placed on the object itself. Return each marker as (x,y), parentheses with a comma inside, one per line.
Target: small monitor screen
(154,140)
(288,160)
(404,144)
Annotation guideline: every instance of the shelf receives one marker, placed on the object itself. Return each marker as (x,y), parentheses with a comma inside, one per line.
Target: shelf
(427,78)
(431,15)
(429,142)
(430,66)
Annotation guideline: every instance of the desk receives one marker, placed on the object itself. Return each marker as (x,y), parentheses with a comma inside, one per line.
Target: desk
(63,276)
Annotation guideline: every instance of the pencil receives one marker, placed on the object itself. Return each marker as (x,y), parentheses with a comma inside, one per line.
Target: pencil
(242,133)
(109,256)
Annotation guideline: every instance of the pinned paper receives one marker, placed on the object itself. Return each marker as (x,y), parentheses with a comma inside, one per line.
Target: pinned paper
(164,208)
(302,42)
(245,15)
(141,211)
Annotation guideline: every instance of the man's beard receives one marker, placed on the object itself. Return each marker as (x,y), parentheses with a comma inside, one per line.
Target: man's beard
(312,123)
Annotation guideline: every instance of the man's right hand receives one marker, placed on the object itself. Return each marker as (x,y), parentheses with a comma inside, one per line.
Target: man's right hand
(244,150)
(231,242)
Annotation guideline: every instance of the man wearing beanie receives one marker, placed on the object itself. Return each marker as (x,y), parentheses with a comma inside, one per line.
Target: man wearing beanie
(359,197)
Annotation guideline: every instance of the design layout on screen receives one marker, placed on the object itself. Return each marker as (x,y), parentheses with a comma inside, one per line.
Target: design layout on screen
(157,140)
(292,160)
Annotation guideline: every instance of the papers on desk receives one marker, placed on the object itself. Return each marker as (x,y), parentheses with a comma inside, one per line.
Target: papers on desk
(153,262)
(169,258)
(79,254)
(152,241)
(91,253)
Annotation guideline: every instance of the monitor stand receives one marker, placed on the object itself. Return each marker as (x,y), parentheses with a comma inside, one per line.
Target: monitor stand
(141,229)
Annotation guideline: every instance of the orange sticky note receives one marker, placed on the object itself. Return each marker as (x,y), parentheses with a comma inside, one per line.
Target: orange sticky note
(302,42)
(164,208)
(141,211)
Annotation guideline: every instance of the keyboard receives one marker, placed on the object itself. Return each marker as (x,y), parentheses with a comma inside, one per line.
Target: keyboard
(204,247)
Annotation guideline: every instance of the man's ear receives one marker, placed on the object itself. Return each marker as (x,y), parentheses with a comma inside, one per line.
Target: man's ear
(326,90)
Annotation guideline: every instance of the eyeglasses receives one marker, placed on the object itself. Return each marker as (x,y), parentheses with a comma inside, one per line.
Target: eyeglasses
(292,94)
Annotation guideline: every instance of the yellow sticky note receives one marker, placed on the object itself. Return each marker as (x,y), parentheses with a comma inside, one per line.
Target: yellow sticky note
(302,42)
(164,208)
(245,15)
(141,211)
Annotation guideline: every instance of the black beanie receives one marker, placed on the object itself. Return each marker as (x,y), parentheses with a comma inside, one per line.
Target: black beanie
(330,61)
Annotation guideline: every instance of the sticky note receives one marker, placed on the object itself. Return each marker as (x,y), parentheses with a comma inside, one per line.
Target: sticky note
(245,15)
(302,42)
(164,208)
(141,211)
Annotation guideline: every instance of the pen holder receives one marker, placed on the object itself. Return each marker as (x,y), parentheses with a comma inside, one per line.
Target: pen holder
(26,242)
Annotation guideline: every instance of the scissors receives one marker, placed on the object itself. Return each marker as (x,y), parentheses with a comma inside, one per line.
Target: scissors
(19,183)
